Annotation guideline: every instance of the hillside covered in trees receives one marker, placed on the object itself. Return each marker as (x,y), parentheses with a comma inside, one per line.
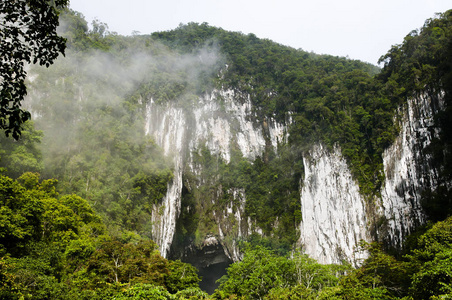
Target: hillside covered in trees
(80,188)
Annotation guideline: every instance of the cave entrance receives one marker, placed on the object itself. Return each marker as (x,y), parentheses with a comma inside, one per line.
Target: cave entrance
(210,274)
(211,261)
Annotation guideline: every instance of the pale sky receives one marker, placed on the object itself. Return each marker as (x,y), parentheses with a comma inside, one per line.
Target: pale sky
(359,29)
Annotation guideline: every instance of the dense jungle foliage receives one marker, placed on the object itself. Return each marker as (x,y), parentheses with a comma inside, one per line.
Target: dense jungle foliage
(88,236)
(56,247)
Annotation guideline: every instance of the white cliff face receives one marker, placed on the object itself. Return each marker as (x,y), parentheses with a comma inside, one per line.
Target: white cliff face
(407,171)
(251,140)
(278,132)
(222,119)
(335,216)
(220,122)
(233,223)
(168,126)
(333,212)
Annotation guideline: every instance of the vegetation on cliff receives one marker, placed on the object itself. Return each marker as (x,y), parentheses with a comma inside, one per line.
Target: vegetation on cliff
(88,237)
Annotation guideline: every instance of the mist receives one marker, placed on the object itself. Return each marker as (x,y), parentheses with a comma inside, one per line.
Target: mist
(71,90)
(91,107)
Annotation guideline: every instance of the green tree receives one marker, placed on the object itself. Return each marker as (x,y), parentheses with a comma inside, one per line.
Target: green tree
(8,288)
(431,262)
(23,155)
(434,277)
(314,276)
(381,276)
(258,272)
(20,217)
(181,276)
(145,291)
(193,293)
(262,274)
(42,237)
(117,262)
(27,35)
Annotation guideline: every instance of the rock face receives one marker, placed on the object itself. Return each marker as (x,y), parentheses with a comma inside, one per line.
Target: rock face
(168,126)
(219,121)
(335,216)
(408,169)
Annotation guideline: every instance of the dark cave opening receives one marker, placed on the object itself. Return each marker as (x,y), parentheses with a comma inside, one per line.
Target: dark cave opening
(210,275)
(211,261)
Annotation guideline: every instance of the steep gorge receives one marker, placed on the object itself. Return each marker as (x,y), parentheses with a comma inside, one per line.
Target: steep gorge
(203,146)
(336,216)
(220,121)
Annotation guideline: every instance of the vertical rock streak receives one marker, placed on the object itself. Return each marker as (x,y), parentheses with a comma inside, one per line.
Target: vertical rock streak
(333,212)
(167,126)
(335,216)
(408,170)
(220,122)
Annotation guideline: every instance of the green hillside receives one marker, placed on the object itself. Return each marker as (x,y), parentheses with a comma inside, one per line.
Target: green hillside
(77,189)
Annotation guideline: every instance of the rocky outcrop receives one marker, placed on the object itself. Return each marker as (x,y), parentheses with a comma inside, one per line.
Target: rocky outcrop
(408,169)
(335,216)
(219,121)
(333,211)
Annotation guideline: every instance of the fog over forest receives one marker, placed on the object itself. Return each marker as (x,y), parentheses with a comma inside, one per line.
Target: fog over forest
(201,163)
